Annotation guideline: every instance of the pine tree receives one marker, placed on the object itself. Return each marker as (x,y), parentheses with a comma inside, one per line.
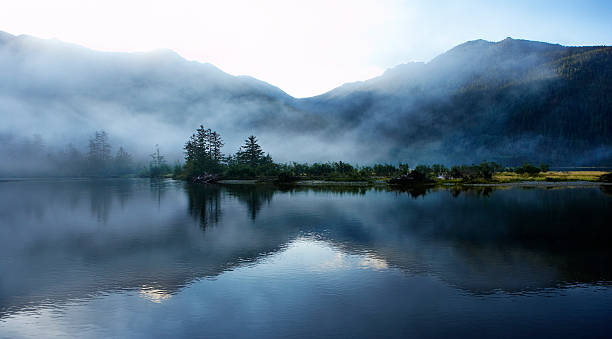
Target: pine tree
(99,155)
(203,152)
(158,166)
(123,161)
(201,145)
(250,153)
(157,159)
(216,144)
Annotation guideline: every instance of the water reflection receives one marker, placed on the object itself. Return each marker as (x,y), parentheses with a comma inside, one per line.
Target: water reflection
(61,240)
(204,203)
(253,197)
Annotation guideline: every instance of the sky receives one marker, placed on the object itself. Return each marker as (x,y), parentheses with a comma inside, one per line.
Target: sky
(305,47)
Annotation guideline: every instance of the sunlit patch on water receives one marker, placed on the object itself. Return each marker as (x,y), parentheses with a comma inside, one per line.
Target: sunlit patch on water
(370,263)
(153,294)
(318,255)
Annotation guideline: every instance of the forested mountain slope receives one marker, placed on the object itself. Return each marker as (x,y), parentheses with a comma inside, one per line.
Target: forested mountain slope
(509,101)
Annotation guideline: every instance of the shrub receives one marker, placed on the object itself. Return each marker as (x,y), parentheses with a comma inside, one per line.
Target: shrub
(528,169)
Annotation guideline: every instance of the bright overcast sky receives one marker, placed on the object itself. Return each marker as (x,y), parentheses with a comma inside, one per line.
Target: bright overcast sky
(305,47)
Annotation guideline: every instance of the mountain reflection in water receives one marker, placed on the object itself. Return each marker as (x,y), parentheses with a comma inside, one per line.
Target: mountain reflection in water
(63,241)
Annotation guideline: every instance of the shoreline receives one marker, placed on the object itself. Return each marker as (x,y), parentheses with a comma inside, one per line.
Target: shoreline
(318,183)
(543,184)
(376,183)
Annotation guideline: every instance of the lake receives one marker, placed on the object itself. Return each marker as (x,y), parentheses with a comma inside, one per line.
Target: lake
(162,258)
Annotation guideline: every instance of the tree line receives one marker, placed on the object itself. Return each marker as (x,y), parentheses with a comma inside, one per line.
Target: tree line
(99,160)
(203,156)
(31,157)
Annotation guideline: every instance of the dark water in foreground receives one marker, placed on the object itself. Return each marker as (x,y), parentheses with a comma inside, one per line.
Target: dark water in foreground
(140,258)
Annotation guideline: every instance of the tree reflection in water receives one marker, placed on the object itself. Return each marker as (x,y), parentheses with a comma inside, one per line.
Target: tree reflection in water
(204,202)
(254,197)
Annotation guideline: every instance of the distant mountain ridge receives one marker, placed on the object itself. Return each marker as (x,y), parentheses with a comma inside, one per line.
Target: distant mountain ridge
(512,101)
(509,101)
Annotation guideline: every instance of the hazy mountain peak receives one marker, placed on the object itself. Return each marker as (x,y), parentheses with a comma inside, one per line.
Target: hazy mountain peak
(469,46)
(165,53)
(527,45)
(5,36)
(480,49)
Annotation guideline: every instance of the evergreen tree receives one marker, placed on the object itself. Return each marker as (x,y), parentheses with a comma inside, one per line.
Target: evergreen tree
(215,146)
(123,162)
(157,159)
(99,155)
(250,153)
(203,153)
(158,166)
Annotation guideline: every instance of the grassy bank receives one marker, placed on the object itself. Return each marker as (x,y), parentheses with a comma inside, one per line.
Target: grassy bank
(498,178)
(553,176)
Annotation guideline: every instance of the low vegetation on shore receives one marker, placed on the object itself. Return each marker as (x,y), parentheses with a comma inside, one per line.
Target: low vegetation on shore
(204,163)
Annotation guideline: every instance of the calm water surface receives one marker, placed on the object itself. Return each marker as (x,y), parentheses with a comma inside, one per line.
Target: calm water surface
(141,258)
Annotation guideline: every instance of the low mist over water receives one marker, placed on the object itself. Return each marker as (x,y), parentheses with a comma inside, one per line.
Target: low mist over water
(142,258)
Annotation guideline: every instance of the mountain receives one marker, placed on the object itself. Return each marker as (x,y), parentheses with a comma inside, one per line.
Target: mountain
(509,101)
(65,92)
